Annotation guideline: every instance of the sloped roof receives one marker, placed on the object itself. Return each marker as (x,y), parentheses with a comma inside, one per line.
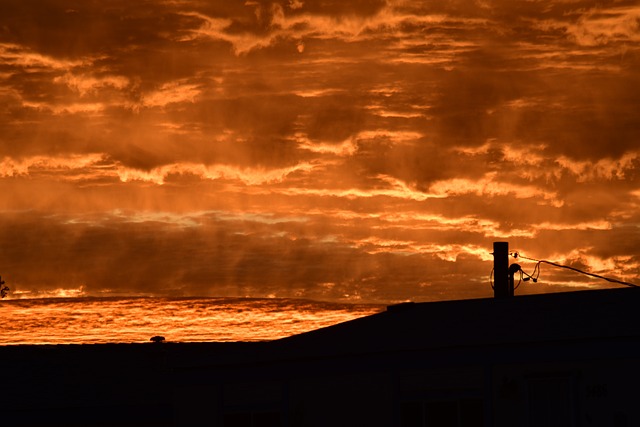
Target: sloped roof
(522,319)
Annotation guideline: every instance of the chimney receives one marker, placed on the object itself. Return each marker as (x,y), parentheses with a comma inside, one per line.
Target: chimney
(501,282)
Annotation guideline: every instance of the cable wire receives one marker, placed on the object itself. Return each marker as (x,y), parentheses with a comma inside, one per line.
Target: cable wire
(536,270)
(519,280)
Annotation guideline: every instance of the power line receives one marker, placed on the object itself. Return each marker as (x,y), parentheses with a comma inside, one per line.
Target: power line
(536,270)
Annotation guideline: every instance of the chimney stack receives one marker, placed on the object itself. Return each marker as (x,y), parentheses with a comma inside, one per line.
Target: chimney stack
(501,288)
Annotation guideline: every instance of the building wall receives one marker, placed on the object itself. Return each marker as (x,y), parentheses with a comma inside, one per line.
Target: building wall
(529,385)
(584,393)
(342,400)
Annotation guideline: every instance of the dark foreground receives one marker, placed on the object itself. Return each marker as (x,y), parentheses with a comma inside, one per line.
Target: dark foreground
(570,359)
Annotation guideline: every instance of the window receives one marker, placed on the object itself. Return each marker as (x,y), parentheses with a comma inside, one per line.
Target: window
(252,419)
(266,419)
(237,420)
(442,413)
(550,402)
(412,414)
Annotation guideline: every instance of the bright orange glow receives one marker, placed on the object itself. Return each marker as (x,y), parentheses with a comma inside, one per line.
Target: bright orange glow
(72,320)
(368,151)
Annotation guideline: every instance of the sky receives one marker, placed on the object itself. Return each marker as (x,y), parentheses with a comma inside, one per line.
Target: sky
(325,149)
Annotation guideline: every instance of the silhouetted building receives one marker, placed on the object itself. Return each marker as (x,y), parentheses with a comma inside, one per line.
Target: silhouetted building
(569,359)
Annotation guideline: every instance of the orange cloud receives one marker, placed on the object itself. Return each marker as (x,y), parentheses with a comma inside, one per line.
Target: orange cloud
(335,147)
(301,25)
(247,176)
(173,92)
(600,26)
(36,165)
(592,225)
(394,189)
(607,169)
(490,185)
(23,57)
(86,84)
(346,148)
(90,108)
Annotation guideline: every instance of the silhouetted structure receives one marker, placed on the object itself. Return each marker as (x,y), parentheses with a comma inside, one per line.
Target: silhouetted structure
(4,290)
(502,286)
(568,359)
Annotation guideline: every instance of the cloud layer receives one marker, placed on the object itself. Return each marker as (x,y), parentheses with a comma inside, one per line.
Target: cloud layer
(366,150)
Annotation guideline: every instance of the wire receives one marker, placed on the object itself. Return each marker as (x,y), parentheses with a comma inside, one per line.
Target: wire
(519,280)
(516,287)
(536,270)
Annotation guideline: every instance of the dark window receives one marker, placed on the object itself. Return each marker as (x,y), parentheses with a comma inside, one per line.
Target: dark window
(442,413)
(550,402)
(237,420)
(620,420)
(266,419)
(252,419)
(412,414)
(471,413)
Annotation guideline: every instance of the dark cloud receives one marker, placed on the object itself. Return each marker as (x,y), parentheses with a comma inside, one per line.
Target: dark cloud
(341,8)
(211,257)
(88,29)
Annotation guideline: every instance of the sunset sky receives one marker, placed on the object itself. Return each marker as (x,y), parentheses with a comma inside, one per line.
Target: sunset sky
(326,149)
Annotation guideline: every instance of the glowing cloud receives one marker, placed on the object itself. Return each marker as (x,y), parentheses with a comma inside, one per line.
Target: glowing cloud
(603,26)
(316,149)
(247,176)
(22,57)
(87,84)
(169,93)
